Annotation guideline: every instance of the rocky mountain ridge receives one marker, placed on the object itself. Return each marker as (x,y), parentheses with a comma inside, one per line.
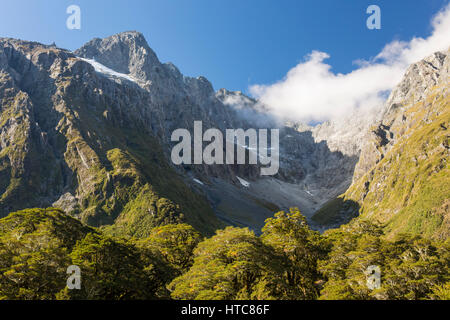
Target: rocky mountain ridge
(89,132)
(402,177)
(306,164)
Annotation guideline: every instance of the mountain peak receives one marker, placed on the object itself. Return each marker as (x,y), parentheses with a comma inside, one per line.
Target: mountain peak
(131,33)
(419,79)
(126,52)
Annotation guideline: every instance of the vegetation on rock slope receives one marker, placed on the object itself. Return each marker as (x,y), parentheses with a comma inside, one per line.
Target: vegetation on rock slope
(79,141)
(408,190)
(288,261)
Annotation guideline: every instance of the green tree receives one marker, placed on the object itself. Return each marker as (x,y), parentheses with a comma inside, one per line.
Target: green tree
(112,269)
(34,252)
(298,248)
(230,265)
(411,267)
(175,243)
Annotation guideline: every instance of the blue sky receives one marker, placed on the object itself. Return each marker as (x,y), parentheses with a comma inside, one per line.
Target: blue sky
(234,43)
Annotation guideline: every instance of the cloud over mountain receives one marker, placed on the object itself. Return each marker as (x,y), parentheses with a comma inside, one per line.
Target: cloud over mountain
(311,91)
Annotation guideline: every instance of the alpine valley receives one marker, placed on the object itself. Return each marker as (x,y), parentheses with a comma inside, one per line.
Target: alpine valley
(86,179)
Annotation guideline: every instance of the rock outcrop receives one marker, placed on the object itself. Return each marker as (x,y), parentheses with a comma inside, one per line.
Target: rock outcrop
(90,132)
(402,179)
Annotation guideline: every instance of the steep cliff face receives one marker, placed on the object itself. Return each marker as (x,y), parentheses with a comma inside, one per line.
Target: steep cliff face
(82,141)
(90,132)
(402,179)
(310,173)
(419,82)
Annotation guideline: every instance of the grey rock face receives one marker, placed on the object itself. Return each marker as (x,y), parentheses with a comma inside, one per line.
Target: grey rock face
(402,177)
(419,80)
(316,164)
(126,52)
(66,129)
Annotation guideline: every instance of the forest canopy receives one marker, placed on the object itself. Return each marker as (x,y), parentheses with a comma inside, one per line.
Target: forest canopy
(287,261)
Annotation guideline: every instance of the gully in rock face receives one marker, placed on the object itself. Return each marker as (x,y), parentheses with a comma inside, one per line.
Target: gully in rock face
(214,152)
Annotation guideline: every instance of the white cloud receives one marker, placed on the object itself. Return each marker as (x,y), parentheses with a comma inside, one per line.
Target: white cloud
(311,91)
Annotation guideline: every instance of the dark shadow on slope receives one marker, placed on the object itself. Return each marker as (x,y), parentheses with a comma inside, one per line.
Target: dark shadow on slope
(38,174)
(335,213)
(310,174)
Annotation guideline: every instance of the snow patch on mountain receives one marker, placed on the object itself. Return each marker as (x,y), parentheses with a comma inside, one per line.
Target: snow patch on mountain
(243,182)
(198,181)
(107,71)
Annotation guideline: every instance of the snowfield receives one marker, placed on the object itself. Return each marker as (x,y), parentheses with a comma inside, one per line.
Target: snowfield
(243,182)
(199,182)
(107,71)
